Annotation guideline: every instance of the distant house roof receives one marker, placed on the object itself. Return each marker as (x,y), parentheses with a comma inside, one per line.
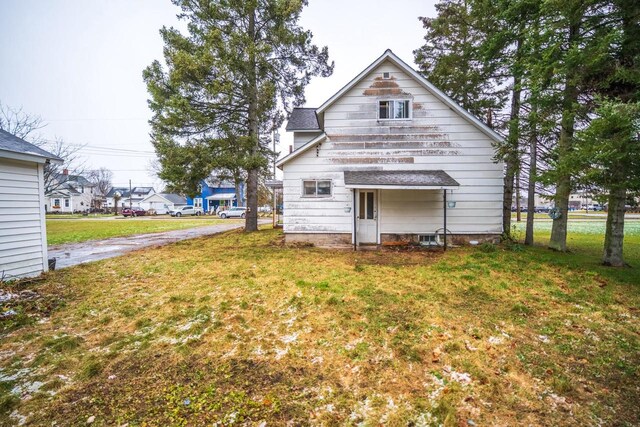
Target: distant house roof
(64,190)
(421,179)
(176,199)
(303,119)
(124,191)
(143,190)
(17,148)
(79,179)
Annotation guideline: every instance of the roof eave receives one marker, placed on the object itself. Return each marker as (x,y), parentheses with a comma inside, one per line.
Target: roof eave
(299,151)
(401,187)
(27,157)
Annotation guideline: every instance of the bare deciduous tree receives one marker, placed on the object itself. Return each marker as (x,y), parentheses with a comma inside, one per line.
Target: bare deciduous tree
(102,179)
(21,124)
(25,125)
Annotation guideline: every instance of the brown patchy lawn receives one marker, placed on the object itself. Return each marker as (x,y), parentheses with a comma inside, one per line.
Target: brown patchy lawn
(239,329)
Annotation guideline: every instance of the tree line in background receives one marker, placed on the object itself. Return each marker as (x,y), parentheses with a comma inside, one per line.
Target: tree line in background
(561,80)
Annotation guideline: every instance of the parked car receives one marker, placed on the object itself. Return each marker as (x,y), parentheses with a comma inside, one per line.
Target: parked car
(595,207)
(186,210)
(235,212)
(133,212)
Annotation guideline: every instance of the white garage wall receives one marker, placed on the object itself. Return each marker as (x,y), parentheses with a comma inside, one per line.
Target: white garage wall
(23,248)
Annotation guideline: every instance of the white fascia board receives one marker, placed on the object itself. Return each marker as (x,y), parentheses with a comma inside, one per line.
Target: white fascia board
(305,147)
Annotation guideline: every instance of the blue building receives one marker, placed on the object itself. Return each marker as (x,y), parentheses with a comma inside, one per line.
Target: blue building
(212,196)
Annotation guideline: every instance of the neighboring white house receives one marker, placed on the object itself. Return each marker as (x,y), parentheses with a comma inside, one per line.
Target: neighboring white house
(162,203)
(384,159)
(23,236)
(133,198)
(72,193)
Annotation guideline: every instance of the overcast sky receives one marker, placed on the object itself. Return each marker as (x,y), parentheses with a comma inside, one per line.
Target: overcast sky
(78,64)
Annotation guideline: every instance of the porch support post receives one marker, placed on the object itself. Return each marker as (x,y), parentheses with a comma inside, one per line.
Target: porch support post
(445,218)
(355,234)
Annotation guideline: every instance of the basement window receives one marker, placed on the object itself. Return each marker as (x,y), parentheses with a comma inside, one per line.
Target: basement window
(316,188)
(393,109)
(428,240)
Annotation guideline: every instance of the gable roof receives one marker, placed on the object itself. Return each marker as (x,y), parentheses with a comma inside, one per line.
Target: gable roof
(303,119)
(17,148)
(388,55)
(305,147)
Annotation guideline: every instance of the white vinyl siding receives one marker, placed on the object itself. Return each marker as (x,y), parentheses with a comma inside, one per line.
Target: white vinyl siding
(436,138)
(22,229)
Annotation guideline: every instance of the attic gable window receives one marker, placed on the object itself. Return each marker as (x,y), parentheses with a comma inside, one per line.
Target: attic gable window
(394,109)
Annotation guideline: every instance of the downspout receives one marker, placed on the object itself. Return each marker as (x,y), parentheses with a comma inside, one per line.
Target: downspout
(355,234)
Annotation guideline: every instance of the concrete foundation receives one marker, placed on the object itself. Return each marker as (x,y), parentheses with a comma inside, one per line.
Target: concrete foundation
(338,240)
(330,240)
(454,239)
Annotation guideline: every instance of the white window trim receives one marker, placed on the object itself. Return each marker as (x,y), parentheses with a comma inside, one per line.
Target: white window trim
(317,196)
(394,100)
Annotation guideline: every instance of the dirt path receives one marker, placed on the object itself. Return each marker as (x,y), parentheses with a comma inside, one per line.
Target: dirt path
(71,254)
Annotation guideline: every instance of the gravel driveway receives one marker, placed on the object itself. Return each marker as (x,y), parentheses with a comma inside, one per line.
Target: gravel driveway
(72,254)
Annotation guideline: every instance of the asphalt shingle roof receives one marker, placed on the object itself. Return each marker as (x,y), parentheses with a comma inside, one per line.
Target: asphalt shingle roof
(423,178)
(303,119)
(176,199)
(12,143)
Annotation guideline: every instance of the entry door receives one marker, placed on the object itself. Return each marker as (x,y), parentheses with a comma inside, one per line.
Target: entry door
(367,217)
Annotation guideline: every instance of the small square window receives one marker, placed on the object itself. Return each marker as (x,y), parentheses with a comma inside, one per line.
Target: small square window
(386,75)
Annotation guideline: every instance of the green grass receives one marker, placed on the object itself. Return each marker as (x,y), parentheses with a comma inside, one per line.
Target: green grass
(79,230)
(237,329)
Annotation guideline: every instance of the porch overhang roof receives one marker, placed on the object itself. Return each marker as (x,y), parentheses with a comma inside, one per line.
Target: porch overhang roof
(222,196)
(400,180)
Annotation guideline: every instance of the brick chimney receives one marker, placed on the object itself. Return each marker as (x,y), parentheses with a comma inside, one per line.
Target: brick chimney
(65,171)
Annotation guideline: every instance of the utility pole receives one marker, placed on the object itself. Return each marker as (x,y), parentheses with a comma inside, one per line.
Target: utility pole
(130,203)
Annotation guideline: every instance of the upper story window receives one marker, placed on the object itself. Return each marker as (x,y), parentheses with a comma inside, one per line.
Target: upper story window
(394,109)
(316,188)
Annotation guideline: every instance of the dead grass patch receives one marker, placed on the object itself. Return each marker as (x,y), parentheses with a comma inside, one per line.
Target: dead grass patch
(239,329)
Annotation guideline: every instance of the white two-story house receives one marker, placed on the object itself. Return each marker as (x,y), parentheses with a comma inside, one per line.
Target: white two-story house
(390,159)
(70,193)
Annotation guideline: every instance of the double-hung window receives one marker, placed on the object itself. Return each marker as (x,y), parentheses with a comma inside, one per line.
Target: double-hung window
(316,188)
(66,203)
(394,109)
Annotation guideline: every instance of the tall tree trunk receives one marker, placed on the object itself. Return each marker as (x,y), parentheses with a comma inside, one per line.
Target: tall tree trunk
(558,239)
(251,219)
(511,155)
(614,236)
(237,180)
(518,201)
(531,190)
